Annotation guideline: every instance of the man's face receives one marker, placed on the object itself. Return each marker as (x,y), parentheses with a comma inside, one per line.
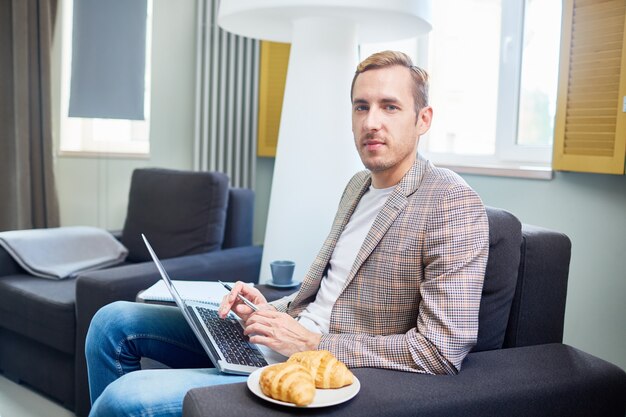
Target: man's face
(385,127)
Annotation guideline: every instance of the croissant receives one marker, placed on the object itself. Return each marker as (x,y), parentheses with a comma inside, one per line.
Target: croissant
(326,369)
(289,382)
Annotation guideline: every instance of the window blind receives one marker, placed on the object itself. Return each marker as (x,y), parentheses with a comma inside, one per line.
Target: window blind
(590,127)
(108,59)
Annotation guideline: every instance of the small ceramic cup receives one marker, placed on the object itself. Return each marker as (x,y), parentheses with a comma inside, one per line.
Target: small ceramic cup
(282,272)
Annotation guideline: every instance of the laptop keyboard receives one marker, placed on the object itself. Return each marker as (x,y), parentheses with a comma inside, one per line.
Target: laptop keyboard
(229,336)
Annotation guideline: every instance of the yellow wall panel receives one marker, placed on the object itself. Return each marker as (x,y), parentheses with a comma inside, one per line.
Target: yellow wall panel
(272,77)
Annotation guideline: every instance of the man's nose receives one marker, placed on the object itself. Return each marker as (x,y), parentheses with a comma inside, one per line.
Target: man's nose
(372,120)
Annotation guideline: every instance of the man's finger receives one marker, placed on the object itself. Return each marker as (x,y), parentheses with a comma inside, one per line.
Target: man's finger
(258,328)
(269,313)
(232,295)
(224,305)
(265,341)
(264,321)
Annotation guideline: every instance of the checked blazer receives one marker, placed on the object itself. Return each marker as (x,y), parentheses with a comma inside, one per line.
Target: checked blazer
(411,300)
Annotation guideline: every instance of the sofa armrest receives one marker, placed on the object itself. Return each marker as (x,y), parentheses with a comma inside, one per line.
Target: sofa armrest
(538,309)
(546,380)
(95,289)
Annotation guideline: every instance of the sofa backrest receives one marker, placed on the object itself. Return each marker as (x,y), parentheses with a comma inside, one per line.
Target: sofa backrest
(8,265)
(180,212)
(505,238)
(525,288)
(239,218)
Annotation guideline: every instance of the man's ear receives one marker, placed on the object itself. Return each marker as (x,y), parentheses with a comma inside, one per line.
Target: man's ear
(424,118)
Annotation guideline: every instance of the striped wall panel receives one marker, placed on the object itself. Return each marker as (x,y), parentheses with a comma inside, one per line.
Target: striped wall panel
(226,99)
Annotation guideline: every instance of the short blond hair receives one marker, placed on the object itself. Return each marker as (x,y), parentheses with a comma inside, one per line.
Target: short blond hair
(390,58)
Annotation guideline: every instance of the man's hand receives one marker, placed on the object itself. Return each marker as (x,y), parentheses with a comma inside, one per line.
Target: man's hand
(232,302)
(280,332)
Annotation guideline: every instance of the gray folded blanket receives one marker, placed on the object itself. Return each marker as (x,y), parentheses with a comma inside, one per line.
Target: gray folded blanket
(62,252)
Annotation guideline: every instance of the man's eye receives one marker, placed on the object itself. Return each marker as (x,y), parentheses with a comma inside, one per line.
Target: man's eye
(391,107)
(360,108)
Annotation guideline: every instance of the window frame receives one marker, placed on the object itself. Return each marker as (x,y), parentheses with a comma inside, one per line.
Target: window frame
(85,145)
(507,147)
(509,157)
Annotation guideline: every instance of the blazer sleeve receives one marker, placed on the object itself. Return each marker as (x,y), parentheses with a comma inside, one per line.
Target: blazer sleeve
(282,304)
(454,259)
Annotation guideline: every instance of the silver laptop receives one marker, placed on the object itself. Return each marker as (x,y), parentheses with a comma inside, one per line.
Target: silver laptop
(222,339)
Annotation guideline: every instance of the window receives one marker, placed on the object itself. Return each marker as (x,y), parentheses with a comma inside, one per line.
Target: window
(113,136)
(494,68)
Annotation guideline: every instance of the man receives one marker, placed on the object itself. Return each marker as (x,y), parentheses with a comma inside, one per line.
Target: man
(396,285)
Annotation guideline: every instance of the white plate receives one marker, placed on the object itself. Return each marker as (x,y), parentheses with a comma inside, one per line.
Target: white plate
(323,397)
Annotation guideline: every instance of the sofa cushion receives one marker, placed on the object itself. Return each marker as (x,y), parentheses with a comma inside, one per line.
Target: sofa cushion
(180,212)
(40,309)
(505,238)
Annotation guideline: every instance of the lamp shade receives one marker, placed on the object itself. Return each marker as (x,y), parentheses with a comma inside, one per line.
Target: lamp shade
(376,20)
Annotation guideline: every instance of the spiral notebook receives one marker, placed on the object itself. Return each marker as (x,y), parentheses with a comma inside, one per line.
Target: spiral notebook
(198,291)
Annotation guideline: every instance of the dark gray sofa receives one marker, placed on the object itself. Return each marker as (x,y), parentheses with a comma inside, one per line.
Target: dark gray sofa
(519,366)
(43,322)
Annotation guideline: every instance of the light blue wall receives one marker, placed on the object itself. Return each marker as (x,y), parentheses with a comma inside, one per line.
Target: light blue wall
(591,210)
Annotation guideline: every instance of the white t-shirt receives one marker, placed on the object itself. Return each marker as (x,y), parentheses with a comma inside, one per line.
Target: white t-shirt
(316,316)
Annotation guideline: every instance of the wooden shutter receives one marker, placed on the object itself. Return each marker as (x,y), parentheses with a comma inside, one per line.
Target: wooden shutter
(272,77)
(590,127)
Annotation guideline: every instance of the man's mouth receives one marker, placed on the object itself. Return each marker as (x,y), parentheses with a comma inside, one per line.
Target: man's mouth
(373,144)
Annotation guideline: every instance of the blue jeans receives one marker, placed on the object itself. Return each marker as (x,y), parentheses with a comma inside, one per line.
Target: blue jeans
(121,334)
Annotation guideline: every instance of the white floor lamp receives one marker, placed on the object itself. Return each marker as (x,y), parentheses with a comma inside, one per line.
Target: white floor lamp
(316,156)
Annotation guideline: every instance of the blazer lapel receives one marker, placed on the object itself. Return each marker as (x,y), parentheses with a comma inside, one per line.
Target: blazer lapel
(394,205)
(313,278)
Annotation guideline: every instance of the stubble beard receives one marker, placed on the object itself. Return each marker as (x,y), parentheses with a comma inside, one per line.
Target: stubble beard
(381,163)
(377,166)
(373,163)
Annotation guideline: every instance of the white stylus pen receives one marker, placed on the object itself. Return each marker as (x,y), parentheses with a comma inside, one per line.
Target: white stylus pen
(241,297)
